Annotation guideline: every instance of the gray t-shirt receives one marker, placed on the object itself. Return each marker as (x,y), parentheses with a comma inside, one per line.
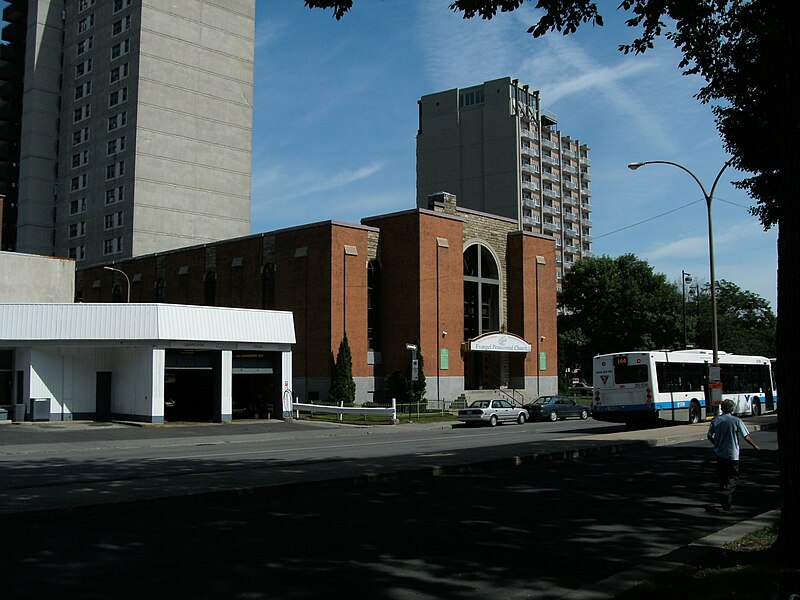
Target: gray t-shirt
(724,431)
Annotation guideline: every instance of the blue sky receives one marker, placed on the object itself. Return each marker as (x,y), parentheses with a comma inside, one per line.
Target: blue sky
(335,122)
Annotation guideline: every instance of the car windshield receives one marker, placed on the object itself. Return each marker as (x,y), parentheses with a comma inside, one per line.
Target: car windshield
(544,399)
(480,404)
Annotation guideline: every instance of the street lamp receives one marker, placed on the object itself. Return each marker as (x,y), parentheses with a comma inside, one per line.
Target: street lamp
(708,197)
(126,279)
(685,278)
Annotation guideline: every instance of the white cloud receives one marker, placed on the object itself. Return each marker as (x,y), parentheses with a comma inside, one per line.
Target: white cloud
(288,183)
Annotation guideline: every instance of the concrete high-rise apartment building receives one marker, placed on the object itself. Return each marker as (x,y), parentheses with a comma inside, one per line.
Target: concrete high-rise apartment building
(128,125)
(498,151)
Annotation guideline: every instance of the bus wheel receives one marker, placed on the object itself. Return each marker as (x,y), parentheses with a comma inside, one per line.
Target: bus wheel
(694,413)
(756,407)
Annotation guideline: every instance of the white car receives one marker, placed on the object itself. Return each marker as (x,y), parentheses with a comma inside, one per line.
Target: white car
(492,412)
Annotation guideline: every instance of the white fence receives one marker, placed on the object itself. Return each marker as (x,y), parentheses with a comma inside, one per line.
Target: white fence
(391,412)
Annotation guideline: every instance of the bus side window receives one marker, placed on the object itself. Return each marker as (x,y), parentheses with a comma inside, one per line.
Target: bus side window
(694,376)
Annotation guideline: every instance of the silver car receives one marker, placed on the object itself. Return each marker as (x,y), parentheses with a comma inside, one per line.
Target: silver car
(492,412)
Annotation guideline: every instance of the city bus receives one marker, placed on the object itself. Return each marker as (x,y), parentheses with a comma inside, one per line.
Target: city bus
(637,387)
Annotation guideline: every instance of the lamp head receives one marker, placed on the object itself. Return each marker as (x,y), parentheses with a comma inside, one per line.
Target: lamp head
(635,165)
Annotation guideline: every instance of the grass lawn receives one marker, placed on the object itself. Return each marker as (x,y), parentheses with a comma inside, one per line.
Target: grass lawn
(745,569)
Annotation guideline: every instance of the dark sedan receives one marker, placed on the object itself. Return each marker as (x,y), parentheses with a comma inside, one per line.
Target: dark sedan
(555,408)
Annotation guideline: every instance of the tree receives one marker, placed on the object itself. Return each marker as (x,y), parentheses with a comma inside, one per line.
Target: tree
(747,53)
(398,386)
(746,321)
(570,343)
(617,304)
(343,387)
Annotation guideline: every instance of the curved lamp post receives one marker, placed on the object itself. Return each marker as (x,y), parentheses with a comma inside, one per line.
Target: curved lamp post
(709,196)
(126,279)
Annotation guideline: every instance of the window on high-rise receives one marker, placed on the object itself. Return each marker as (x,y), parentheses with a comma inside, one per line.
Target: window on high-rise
(85,45)
(80,158)
(117,96)
(113,220)
(115,145)
(77,252)
(470,98)
(82,68)
(116,194)
(77,206)
(121,48)
(77,229)
(118,72)
(122,25)
(80,136)
(86,23)
(117,121)
(113,245)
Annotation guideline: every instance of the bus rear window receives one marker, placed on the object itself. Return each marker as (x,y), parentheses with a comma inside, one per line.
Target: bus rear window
(630,374)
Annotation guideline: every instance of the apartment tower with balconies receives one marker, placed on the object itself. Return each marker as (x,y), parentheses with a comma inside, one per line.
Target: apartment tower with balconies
(498,151)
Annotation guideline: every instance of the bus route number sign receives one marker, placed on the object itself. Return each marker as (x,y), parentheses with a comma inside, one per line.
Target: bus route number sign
(621,361)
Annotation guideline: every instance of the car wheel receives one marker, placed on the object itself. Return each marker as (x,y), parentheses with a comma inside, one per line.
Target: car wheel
(756,407)
(694,413)
(584,414)
(553,416)
(492,420)
(521,418)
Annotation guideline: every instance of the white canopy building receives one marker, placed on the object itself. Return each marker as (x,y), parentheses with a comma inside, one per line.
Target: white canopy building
(144,362)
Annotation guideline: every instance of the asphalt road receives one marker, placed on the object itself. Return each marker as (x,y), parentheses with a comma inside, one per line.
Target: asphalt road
(37,459)
(539,530)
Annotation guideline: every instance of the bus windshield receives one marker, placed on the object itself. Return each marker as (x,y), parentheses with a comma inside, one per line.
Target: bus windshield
(630,374)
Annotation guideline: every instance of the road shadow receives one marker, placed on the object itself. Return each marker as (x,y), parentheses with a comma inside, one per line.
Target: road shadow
(539,530)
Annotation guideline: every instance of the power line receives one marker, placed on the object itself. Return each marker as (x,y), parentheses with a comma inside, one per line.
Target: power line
(596,237)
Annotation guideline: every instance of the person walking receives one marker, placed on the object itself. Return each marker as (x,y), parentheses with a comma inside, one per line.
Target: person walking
(724,432)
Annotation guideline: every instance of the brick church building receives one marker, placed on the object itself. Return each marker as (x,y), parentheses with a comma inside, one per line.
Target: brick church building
(473,291)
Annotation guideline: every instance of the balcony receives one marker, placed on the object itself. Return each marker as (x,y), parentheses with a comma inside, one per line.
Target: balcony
(531,221)
(551,210)
(552,227)
(529,151)
(571,232)
(584,160)
(531,202)
(570,216)
(551,177)
(530,186)
(585,176)
(585,191)
(550,160)
(531,169)
(548,143)
(551,193)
